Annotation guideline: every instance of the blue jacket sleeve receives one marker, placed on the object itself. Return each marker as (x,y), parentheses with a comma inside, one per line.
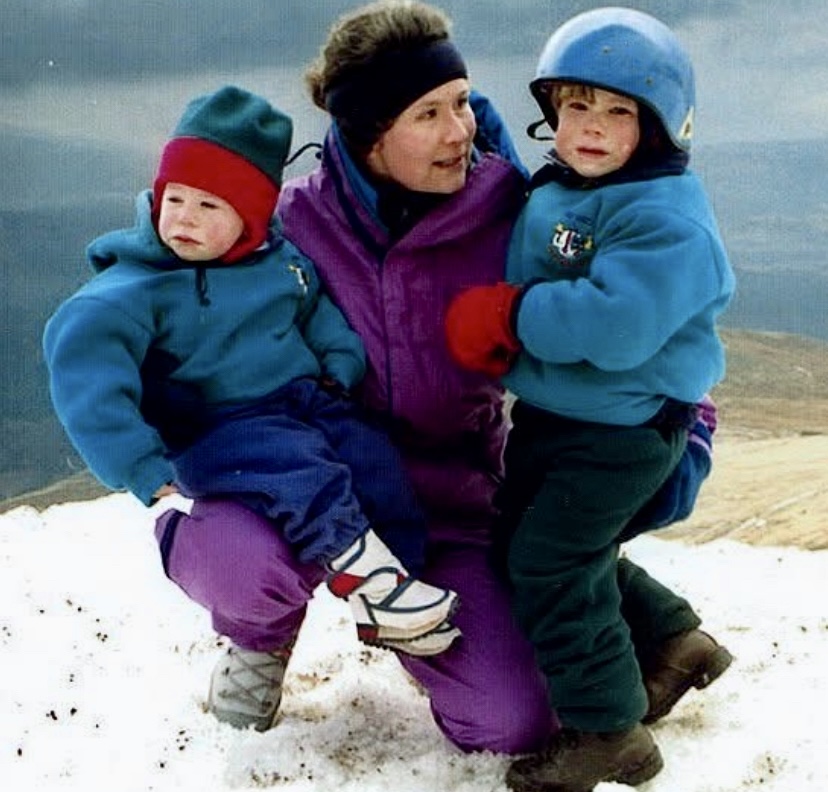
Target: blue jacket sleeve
(93,353)
(326,331)
(635,304)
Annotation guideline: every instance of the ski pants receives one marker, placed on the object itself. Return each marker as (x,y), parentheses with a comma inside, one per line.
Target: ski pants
(570,490)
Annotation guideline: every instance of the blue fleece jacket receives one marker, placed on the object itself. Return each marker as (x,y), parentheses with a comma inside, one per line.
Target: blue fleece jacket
(625,283)
(229,334)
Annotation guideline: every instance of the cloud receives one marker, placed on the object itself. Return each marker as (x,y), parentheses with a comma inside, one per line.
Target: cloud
(80,40)
(135,39)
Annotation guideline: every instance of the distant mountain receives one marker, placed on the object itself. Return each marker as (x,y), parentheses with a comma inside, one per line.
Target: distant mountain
(57,197)
(776,384)
(770,200)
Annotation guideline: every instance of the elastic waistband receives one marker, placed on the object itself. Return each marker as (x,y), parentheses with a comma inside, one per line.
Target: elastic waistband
(673,414)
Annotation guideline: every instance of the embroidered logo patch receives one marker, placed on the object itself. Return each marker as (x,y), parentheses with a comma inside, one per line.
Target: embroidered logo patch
(569,245)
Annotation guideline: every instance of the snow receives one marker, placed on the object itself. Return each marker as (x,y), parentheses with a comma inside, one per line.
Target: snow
(105,665)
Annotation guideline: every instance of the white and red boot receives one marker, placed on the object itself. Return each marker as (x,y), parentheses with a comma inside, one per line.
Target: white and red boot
(391,608)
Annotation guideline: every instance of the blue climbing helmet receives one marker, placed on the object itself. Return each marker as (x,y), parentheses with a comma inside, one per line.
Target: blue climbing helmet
(626,52)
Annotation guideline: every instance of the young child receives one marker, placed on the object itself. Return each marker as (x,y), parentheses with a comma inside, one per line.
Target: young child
(616,275)
(205,357)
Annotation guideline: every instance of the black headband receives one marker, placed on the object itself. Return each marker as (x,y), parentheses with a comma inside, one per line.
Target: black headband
(376,92)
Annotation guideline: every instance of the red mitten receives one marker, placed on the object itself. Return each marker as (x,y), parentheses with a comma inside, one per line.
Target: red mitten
(479,328)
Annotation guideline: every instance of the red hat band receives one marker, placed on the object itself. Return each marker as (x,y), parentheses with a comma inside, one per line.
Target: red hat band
(207,166)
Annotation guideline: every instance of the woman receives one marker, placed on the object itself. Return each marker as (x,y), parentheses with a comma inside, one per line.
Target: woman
(403,213)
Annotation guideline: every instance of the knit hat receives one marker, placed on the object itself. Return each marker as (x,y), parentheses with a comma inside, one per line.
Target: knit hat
(232,144)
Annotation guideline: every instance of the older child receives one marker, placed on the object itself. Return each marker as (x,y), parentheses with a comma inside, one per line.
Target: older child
(616,276)
(205,353)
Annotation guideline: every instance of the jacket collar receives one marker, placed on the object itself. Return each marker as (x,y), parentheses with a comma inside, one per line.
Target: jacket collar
(556,170)
(362,201)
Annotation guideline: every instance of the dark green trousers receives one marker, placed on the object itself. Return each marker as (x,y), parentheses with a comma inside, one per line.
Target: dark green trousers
(570,489)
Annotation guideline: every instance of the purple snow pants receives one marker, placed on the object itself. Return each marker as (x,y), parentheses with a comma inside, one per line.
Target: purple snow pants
(486,692)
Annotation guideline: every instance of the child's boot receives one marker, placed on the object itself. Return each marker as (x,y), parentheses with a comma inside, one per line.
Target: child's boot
(432,643)
(578,761)
(692,659)
(387,603)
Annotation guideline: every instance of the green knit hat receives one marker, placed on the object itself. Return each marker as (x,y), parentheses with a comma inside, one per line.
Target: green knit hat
(233,144)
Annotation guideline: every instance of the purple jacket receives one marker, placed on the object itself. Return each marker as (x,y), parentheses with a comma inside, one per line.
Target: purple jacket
(448,423)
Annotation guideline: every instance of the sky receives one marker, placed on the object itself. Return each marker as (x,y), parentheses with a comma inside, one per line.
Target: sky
(88,84)
(119,71)
(106,665)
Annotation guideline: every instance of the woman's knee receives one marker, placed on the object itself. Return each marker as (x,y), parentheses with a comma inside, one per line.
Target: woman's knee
(487,693)
(230,560)
(509,721)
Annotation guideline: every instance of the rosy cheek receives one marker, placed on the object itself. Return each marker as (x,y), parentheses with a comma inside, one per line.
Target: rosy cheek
(628,148)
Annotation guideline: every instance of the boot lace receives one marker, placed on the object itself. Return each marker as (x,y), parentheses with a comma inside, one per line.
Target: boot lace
(255,678)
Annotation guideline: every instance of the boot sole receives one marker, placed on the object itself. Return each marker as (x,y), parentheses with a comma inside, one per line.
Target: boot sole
(374,634)
(714,666)
(243,721)
(649,768)
(422,648)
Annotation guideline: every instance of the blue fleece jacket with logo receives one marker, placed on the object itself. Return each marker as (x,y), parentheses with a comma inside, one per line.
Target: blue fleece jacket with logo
(626,281)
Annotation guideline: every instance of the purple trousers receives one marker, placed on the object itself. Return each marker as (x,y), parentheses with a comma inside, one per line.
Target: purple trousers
(486,692)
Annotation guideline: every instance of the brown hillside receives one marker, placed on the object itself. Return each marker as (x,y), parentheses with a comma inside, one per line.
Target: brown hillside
(775,384)
(770,478)
(769,484)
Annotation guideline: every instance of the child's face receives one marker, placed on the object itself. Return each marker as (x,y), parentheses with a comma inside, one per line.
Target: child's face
(597,135)
(197,225)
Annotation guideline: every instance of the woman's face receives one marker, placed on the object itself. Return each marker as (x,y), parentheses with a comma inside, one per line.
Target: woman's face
(429,146)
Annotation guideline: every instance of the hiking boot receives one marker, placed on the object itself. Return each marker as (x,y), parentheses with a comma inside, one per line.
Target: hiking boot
(577,761)
(691,659)
(246,687)
(386,602)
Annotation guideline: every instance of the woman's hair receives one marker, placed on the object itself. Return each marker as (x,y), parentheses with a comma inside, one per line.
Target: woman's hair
(359,36)
(356,44)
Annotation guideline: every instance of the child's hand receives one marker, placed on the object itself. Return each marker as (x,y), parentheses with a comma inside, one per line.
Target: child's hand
(479,328)
(167,489)
(333,387)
